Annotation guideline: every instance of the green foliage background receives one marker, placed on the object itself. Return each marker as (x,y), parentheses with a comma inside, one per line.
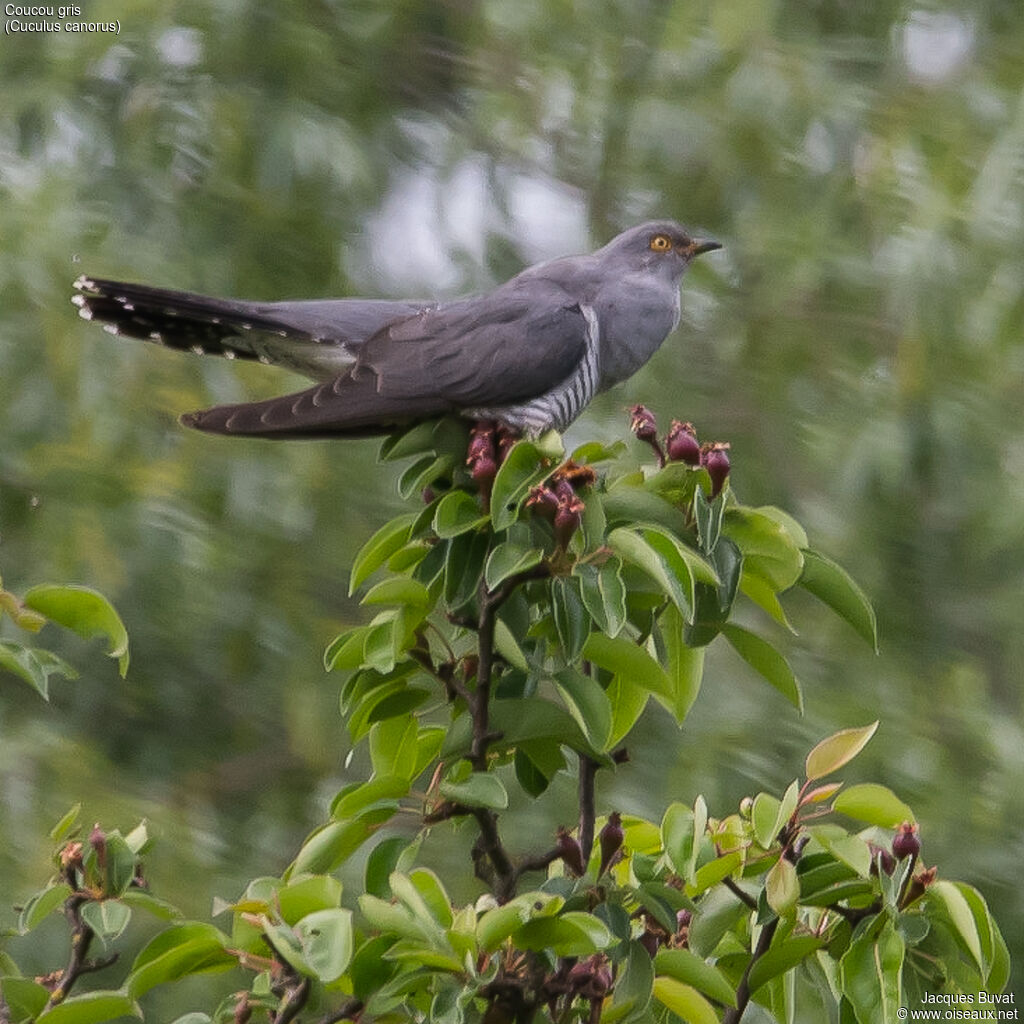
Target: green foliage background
(858,341)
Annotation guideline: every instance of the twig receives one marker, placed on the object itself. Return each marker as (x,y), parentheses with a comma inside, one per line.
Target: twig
(349,1010)
(81,937)
(735,1013)
(588,810)
(295,999)
(743,897)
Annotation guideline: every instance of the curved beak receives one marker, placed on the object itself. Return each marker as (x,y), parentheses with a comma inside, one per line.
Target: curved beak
(697,247)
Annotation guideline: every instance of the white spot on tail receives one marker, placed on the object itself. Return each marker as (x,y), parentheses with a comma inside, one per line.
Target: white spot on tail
(198,350)
(112,328)
(78,300)
(155,336)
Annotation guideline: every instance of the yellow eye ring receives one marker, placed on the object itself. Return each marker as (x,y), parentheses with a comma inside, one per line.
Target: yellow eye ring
(661,243)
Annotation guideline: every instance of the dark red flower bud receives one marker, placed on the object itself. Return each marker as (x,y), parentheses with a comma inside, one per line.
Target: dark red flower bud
(543,501)
(643,423)
(682,445)
(715,459)
(610,840)
(683,919)
(98,841)
(882,857)
(568,516)
(484,471)
(907,842)
(564,489)
(651,941)
(571,853)
(591,978)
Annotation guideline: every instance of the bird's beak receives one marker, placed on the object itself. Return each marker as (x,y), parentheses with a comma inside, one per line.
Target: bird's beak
(696,248)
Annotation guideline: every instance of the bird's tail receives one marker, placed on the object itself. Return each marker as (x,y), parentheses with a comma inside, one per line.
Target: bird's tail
(180,320)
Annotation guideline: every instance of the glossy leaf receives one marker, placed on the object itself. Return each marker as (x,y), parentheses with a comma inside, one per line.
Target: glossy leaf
(457,512)
(874,804)
(839,749)
(379,548)
(326,940)
(90,1008)
(604,594)
(508,559)
(869,974)
(768,549)
(621,656)
(588,704)
(690,969)
(85,611)
(831,583)
(330,846)
(684,664)
(34,665)
(399,590)
(781,957)
(781,887)
(570,934)
(176,952)
(23,997)
(107,918)
(571,618)
(481,789)
(763,657)
(684,1001)
(304,895)
(41,905)
(949,897)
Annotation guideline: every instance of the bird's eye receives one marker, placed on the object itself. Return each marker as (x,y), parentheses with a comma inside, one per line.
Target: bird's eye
(661,243)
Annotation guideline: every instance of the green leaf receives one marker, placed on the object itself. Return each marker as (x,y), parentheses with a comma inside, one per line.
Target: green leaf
(457,512)
(34,665)
(869,974)
(90,1008)
(481,789)
(659,556)
(400,590)
(508,559)
(708,515)
(851,850)
(305,894)
(690,969)
(496,925)
(837,750)
(85,611)
(714,871)
(381,791)
(413,441)
(634,987)
(588,704)
(176,952)
(379,548)
(684,664)
(948,897)
(874,804)
(764,817)
(41,905)
(782,957)
(524,466)
(592,452)
(23,997)
(570,934)
(107,918)
(762,656)
(628,702)
(66,825)
(330,846)
(684,1001)
(782,890)
(830,583)
(325,937)
(621,656)
(394,749)
(382,861)
(768,549)
(572,620)
(604,594)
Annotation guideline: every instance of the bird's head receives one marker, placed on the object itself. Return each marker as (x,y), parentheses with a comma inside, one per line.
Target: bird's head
(659,245)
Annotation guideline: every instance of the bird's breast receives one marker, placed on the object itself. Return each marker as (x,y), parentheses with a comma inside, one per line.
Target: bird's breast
(635,318)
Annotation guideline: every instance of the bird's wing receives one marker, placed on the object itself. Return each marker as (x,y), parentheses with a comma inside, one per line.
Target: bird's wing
(316,337)
(510,346)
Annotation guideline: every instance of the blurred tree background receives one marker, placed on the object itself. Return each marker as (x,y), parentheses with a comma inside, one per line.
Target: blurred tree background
(858,342)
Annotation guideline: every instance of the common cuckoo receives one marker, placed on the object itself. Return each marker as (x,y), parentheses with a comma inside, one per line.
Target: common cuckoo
(530,354)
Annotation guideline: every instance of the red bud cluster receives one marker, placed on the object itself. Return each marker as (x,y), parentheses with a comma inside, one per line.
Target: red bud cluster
(482,455)
(714,457)
(591,978)
(556,499)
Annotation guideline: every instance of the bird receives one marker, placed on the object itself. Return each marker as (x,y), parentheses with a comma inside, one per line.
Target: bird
(529,355)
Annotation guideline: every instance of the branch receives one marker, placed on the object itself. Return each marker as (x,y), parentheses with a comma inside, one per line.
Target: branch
(743,897)
(734,1013)
(588,811)
(349,1010)
(81,937)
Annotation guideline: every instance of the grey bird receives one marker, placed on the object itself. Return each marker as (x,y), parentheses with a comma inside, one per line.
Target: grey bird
(531,354)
